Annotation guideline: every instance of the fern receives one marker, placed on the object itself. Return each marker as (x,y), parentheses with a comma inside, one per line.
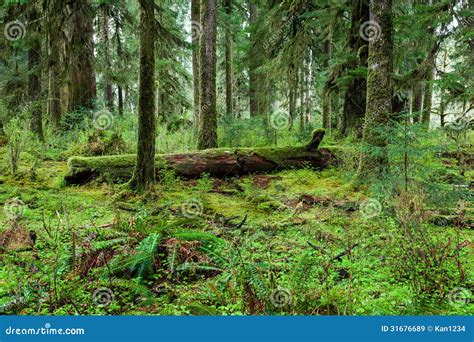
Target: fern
(256,281)
(208,241)
(140,264)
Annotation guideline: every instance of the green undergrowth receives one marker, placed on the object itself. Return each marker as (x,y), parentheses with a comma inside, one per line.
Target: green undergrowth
(292,242)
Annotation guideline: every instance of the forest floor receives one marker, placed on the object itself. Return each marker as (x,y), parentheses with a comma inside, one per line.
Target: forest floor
(293,242)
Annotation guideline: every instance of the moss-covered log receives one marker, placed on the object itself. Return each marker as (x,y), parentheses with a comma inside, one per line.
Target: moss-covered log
(219,162)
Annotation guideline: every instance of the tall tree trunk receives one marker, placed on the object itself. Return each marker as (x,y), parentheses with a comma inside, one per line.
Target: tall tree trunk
(326,92)
(144,176)
(80,50)
(34,85)
(253,78)
(309,82)
(334,104)
(428,102)
(108,92)
(292,84)
(228,59)
(379,92)
(208,115)
(417,98)
(196,20)
(442,109)
(54,60)
(119,58)
(355,98)
(302,96)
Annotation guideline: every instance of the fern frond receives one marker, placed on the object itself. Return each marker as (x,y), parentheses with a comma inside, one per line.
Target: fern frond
(140,264)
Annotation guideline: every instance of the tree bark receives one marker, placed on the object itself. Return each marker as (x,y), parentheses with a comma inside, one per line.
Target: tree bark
(253,78)
(208,113)
(119,57)
(144,174)
(108,92)
(302,96)
(228,59)
(309,82)
(417,98)
(379,92)
(355,98)
(80,50)
(428,102)
(34,85)
(215,162)
(292,84)
(54,60)
(195,20)
(326,93)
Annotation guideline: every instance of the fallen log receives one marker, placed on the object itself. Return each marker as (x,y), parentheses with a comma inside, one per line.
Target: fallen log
(219,162)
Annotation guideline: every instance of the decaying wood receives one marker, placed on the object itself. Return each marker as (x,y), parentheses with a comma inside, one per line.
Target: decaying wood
(220,162)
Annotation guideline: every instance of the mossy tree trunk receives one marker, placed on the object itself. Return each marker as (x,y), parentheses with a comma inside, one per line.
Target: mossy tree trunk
(119,57)
(208,112)
(221,162)
(417,101)
(195,20)
(54,39)
(428,101)
(253,77)
(302,95)
(309,82)
(355,98)
(108,92)
(80,51)
(34,72)
(144,174)
(374,162)
(326,91)
(228,59)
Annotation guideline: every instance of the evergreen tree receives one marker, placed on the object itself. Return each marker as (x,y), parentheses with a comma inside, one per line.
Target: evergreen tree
(144,176)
